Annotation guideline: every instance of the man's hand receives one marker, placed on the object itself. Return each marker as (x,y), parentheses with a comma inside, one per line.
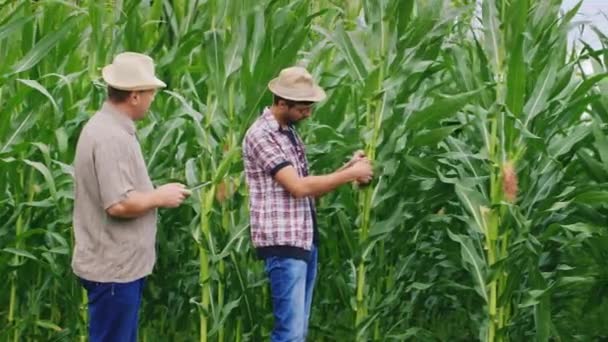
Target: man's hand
(171,195)
(139,203)
(358,156)
(359,169)
(362,171)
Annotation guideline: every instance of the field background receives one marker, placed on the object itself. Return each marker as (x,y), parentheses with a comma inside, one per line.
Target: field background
(487,219)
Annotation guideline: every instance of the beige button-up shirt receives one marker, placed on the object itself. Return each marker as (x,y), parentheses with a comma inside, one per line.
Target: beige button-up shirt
(108,165)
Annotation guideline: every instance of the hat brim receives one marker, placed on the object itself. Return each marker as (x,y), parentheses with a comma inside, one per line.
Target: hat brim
(314,94)
(109,76)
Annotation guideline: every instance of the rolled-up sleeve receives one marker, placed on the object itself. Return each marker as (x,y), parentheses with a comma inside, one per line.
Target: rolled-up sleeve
(265,151)
(113,170)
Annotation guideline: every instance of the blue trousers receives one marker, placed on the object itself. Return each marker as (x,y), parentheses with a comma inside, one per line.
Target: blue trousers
(113,310)
(292,283)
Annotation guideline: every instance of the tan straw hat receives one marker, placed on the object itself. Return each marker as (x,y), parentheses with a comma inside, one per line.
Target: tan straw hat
(296,84)
(131,71)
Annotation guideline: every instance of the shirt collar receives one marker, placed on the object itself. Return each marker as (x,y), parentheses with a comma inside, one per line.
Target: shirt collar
(273,123)
(121,118)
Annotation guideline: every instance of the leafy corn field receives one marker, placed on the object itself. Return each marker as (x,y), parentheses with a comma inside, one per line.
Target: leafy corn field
(487,219)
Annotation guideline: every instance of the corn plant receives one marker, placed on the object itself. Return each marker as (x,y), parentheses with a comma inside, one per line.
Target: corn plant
(485,220)
(511,166)
(383,79)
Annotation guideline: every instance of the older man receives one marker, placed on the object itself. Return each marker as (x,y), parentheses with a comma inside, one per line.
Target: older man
(115,202)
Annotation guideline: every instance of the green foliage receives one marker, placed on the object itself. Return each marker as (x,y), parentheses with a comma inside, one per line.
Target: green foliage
(434,249)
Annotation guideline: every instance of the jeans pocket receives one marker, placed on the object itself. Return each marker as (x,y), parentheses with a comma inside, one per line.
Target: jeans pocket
(269,263)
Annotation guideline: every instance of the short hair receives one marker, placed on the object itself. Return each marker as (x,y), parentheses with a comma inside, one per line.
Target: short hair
(117,95)
(290,103)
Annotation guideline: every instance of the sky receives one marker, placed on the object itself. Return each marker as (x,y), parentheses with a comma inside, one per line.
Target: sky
(590,11)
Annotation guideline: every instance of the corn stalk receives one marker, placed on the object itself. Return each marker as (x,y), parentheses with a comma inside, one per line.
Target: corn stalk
(442,251)
(205,247)
(513,116)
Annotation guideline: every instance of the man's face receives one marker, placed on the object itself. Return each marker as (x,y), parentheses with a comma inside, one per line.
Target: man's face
(297,112)
(140,102)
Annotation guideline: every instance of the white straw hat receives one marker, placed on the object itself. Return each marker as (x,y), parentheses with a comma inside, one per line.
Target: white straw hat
(131,71)
(296,84)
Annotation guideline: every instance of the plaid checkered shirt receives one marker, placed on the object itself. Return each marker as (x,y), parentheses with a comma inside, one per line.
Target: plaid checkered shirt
(277,218)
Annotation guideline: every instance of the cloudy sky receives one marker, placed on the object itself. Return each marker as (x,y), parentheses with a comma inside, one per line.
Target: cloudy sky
(590,11)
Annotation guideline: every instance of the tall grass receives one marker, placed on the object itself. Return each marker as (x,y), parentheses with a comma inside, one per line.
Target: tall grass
(486,218)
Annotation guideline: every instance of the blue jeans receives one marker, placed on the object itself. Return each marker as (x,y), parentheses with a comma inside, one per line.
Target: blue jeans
(292,283)
(113,310)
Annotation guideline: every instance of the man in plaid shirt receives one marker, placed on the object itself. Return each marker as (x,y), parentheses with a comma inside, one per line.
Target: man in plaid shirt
(282,193)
